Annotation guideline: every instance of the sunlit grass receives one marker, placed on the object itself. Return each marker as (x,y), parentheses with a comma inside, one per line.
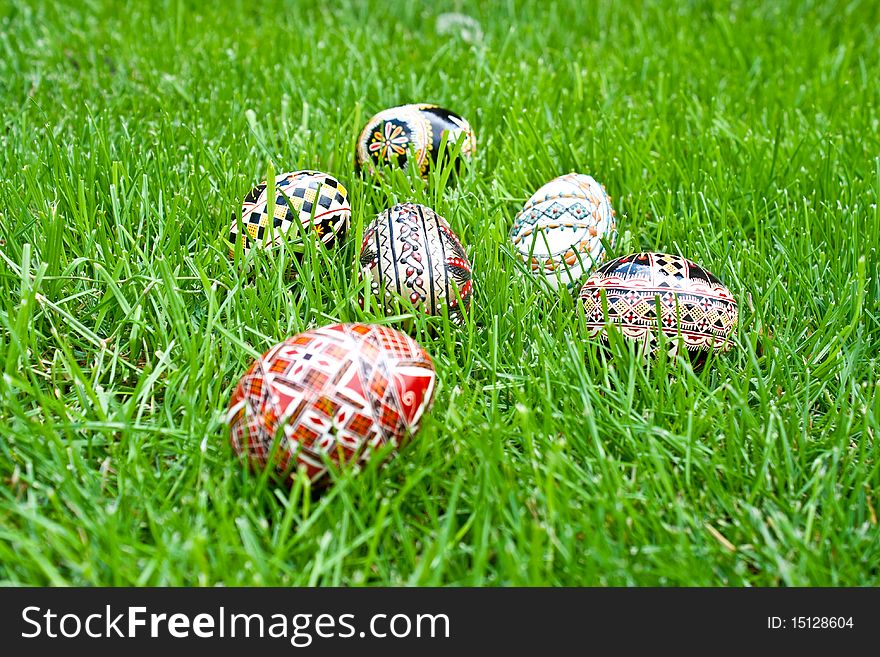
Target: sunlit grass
(745,139)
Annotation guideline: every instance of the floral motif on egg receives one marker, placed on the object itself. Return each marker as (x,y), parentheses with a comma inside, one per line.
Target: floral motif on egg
(416,130)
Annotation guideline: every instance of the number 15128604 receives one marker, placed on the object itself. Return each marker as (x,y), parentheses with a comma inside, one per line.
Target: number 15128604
(809,622)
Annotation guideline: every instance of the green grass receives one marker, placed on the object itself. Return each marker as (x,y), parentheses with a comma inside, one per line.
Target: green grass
(747,139)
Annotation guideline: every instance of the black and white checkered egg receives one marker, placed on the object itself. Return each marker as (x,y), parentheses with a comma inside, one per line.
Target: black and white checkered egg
(309,201)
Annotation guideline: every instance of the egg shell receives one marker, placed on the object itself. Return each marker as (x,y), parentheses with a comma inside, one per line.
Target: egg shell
(559,233)
(697,311)
(410,251)
(309,192)
(338,392)
(394,134)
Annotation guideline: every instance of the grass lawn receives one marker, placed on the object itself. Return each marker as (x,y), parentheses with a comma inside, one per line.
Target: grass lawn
(746,138)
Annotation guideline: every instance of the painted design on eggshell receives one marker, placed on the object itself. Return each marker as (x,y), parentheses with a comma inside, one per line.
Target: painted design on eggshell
(396,133)
(410,251)
(559,232)
(337,392)
(694,305)
(308,192)
(389,139)
(393,135)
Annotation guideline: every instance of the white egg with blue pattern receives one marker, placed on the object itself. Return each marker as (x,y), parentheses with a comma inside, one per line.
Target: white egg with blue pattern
(564,230)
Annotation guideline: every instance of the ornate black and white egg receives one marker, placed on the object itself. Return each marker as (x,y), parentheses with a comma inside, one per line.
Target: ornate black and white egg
(562,231)
(650,293)
(410,251)
(317,201)
(395,134)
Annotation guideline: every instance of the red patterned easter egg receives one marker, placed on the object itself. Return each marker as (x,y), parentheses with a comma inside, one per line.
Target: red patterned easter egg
(409,251)
(334,394)
(645,292)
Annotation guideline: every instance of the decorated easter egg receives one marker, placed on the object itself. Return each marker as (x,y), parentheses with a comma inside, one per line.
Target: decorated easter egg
(562,232)
(646,293)
(409,251)
(316,201)
(335,394)
(417,131)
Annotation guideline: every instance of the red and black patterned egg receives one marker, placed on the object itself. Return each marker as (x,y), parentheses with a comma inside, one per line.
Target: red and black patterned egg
(410,252)
(647,294)
(418,130)
(332,396)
